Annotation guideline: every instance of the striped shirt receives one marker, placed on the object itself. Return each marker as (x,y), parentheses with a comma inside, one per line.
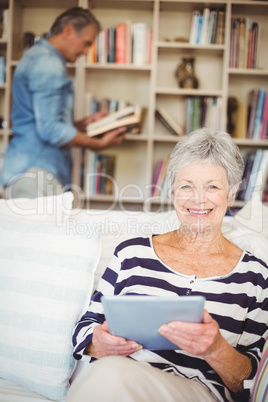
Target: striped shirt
(238,301)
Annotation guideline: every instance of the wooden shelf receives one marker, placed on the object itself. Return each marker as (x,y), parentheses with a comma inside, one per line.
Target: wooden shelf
(151,85)
(188,92)
(118,66)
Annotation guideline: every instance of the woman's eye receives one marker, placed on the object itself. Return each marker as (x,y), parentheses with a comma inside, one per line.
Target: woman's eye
(212,187)
(186,187)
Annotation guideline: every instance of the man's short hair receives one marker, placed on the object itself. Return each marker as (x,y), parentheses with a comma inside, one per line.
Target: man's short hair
(77,16)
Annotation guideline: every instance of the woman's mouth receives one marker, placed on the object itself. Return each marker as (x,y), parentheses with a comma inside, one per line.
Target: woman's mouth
(199,212)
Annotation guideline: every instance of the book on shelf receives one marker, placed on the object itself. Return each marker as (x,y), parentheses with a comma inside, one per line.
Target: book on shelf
(2,69)
(168,121)
(194,27)
(5,23)
(159,180)
(264,126)
(140,36)
(240,130)
(203,111)
(257,114)
(123,43)
(207,27)
(203,36)
(99,174)
(248,163)
(244,44)
(107,105)
(258,117)
(254,175)
(131,117)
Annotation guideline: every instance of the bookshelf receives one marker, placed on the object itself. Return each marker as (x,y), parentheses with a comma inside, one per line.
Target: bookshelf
(150,85)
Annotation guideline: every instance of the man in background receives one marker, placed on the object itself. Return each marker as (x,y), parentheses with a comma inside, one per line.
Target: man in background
(38,160)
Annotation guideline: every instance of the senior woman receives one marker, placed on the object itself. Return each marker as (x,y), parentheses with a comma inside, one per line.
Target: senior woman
(216,359)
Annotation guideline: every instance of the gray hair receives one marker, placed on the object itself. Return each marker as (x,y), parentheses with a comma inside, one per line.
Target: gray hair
(78,17)
(206,146)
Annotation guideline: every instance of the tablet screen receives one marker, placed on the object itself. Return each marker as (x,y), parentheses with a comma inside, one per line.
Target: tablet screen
(138,318)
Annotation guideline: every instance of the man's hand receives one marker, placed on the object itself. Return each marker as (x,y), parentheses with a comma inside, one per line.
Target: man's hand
(82,124)
(110,139)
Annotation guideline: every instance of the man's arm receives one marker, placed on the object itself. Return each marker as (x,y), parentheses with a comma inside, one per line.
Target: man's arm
(110,139)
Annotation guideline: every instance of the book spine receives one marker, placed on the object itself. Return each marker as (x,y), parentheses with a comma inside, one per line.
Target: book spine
(220,32)
(2,69)
(120,43)
(246,37)
(264,124)
(253,175)
(128,42)
(150,47)
(199,29)
(253,107)
(211,23)
(5,22)
(194,27)
(203,39)
(140,43)
(165,122)
(111,45)
(241,46)
(156,176)
(258,117)
(196,113)
(255,28)
(189,114)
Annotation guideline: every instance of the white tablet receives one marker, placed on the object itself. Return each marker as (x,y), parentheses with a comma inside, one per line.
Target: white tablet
(138,318)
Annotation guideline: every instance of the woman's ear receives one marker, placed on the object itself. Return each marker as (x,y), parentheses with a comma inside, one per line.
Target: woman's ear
(232,198)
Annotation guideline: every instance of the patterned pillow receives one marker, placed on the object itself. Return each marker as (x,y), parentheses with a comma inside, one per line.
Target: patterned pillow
(260,388)
(46,277)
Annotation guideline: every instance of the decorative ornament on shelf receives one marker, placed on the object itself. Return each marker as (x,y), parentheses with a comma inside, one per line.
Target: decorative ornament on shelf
(185,73)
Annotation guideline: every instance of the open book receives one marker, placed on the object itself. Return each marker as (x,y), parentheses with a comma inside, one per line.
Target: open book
(130,117)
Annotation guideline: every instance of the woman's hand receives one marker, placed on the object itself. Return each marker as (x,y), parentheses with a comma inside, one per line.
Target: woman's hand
(197,339)
(104,344)
(206,340)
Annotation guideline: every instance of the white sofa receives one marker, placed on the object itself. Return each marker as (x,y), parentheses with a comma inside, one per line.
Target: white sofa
(51,258)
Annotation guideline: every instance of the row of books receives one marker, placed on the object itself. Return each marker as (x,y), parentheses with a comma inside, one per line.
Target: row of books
(2,69)
(252,117)
(4,18)
(97,173)
(159,184)
(258,114)
(207,27)
(203,111)
(255,175)
(123,43)
(244,43)
(107,105)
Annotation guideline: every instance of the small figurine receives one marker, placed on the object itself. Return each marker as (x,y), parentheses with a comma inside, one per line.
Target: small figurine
(185,73)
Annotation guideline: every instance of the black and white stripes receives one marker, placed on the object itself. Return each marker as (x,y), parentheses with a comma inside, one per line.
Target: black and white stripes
(237,301)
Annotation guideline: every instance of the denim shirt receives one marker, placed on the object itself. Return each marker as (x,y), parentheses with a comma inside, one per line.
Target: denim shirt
(42,116)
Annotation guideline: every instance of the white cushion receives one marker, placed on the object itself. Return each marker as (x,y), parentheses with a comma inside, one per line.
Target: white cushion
(54,209)
(46,278)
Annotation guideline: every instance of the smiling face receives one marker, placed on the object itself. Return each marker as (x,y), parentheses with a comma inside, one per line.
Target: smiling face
(201,197)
